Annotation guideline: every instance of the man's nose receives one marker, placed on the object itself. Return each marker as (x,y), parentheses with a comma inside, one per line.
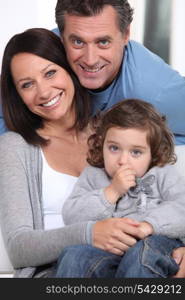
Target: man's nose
(90,56)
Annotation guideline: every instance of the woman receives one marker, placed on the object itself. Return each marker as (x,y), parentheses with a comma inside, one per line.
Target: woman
(47,113)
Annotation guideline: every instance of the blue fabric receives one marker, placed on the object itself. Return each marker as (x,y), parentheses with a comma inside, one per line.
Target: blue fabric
(146,76)
(149,258)
(85,261)
(2,125)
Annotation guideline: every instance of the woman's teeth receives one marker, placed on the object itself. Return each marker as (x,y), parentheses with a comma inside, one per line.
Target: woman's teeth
(51,102)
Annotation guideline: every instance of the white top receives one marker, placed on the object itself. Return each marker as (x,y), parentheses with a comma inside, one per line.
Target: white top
(56,187)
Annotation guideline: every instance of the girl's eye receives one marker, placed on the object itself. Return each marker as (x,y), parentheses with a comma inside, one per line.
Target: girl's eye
(113,148)
(136,153)
(50,73)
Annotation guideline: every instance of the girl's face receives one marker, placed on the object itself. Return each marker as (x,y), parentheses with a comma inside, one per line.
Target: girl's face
(126,147)
(45,88)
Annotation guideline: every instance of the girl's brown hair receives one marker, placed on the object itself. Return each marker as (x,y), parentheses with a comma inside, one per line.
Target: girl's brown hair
(134,113)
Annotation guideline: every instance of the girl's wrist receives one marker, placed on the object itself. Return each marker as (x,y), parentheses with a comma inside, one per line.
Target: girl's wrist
(111,194)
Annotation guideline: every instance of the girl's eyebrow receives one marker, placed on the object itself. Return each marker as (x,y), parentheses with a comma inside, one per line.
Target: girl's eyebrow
(112,142)
(139,146)
(133,146)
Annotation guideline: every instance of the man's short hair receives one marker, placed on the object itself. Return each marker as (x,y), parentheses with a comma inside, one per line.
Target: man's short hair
(92,8)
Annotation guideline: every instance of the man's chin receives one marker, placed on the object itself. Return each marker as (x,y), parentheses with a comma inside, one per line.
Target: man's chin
(91,85)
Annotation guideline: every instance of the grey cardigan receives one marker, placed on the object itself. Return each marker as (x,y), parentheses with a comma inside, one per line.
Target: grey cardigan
(28,244)
(158,198)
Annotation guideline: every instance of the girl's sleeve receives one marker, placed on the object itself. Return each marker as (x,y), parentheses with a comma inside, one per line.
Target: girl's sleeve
(87,201)
(168,218)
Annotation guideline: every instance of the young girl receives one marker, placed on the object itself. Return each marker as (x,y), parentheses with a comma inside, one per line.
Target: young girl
(131,176)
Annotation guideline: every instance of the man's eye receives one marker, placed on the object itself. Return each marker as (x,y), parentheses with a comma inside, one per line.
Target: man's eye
(77,43)
(104,43)
(50,73)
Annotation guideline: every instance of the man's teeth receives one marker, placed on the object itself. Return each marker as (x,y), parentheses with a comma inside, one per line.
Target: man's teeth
(53,101)
(92,70)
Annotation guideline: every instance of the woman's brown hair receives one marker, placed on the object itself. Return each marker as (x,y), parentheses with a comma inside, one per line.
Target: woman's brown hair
(17,116)
(134,113)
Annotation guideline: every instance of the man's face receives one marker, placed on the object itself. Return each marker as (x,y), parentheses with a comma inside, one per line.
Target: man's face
(95,47)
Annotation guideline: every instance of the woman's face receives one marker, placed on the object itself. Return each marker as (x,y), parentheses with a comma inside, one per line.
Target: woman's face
(45,87)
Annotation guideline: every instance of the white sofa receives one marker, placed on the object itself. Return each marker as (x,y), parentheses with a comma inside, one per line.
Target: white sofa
(6,269)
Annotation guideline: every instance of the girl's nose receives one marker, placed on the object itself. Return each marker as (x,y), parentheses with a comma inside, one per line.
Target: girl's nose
(123,159)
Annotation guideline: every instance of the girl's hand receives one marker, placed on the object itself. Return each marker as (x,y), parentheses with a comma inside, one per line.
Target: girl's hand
(146,228)
(122,181)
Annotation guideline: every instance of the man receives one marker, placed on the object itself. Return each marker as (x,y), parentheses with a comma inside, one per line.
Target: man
(96,38)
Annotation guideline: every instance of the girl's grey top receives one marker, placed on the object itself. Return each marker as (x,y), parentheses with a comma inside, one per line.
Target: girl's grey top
(28,244)
(158,198)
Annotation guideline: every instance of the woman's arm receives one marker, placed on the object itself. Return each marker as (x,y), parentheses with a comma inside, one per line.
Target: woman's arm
(116,235)
(21,219)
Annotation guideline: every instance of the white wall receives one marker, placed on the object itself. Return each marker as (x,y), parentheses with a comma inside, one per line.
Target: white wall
(137,26)
(178,36)
(18,15)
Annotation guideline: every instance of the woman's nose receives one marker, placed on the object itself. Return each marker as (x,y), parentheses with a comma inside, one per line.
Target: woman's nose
(43,91)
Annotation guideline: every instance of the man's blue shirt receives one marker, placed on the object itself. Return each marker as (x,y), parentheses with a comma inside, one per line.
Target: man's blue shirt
(2,125)
(146,76)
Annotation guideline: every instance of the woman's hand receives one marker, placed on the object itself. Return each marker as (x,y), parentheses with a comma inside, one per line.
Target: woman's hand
(116,235)
(146,228)
(179,256)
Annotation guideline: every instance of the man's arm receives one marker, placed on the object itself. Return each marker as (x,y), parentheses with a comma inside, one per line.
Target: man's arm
(2,125)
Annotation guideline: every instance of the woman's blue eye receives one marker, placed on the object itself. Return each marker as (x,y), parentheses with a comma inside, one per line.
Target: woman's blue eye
(50,73)
(26,85)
